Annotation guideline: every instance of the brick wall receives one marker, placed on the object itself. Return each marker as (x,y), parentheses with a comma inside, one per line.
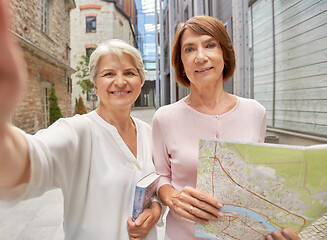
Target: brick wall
(28,26)
(47,57)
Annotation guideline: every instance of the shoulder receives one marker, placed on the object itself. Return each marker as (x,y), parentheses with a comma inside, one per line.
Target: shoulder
(69,125)
(77,120)
(251,105)
(170,110)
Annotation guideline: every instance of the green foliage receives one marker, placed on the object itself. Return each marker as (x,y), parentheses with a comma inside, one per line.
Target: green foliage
(55,112)
(83,73)
(80,106)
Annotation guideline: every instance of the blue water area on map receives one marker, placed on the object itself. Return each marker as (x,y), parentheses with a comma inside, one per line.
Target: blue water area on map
(203,235)
(251,214)
(246,212)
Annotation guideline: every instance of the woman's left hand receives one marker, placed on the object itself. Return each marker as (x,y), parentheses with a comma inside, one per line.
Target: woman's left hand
(139,229)
(287,232)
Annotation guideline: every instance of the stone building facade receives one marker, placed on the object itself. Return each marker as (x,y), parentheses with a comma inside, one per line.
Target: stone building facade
(42,31)
(93,22)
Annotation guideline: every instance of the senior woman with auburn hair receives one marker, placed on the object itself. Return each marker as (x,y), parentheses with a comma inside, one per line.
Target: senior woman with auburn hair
(203,58)
(96,159)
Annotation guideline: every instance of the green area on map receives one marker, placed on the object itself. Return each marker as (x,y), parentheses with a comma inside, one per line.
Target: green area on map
(264,187)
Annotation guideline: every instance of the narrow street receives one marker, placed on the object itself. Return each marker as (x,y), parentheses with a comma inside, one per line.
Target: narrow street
(270,51)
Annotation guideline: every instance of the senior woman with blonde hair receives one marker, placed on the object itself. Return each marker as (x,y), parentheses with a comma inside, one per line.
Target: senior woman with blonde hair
(95,159)
(203,58)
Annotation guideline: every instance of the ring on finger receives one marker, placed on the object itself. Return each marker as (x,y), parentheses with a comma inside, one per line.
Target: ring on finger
(191,209)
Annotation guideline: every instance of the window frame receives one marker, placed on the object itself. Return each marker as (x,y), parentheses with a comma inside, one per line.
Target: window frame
(45,93)
(89,28)
(88,52)
(45,16)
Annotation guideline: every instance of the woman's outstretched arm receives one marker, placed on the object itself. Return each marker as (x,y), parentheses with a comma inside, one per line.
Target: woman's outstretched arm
(14,161)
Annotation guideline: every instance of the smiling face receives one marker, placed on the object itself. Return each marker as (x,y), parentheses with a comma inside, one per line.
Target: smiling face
(202,59)
(118,83)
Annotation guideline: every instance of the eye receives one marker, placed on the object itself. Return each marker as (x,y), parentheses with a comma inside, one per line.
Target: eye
(108,74)
(129,73)
(188,50)
(211,45)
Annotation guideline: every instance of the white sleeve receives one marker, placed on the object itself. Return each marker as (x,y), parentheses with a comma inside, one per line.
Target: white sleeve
(52,152)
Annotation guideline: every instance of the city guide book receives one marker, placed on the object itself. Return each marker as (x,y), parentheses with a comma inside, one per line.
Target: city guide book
(144,190)
(264,187)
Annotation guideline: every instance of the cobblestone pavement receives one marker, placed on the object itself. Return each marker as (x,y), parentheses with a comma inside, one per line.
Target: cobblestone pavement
(316,231)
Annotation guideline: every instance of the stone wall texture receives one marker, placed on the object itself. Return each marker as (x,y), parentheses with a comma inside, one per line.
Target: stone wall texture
(47,57)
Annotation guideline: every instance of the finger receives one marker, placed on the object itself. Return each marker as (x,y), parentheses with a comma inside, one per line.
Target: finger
(204,197)
(130,223)
(142,218)
(180,209)
(291,234)
(201,213)
(202,203)
(278,235)
(269,237)
(194,218)
(4,19)
(205,210)
(183,202)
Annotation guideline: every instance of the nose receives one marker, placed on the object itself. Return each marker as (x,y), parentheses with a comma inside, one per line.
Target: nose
(201,55)
(120,80)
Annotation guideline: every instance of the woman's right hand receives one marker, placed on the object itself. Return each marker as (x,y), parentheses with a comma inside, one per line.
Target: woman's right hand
(289,233)
(191,203)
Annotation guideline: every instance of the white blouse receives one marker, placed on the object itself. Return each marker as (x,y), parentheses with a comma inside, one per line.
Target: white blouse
(86,157)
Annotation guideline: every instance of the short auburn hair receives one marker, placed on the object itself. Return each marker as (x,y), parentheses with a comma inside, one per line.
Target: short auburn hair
(204,25)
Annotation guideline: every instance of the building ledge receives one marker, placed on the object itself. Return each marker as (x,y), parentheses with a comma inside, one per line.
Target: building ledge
(296,134)
(44,53)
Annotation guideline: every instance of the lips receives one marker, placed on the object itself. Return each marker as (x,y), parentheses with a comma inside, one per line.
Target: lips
(203,69)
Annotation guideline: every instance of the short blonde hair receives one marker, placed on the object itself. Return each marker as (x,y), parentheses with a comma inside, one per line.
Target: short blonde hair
(204,25)
(116,47)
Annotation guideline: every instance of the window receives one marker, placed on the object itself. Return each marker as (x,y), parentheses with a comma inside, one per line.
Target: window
(67,51)
(90,96)
(210,7)
(177,7)
(186,14)
(204,6)
(69,85)
(45,88)
(88,52)
(45,15)
(91,24)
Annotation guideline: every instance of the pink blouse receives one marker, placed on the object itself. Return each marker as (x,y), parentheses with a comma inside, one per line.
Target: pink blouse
(176,131)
